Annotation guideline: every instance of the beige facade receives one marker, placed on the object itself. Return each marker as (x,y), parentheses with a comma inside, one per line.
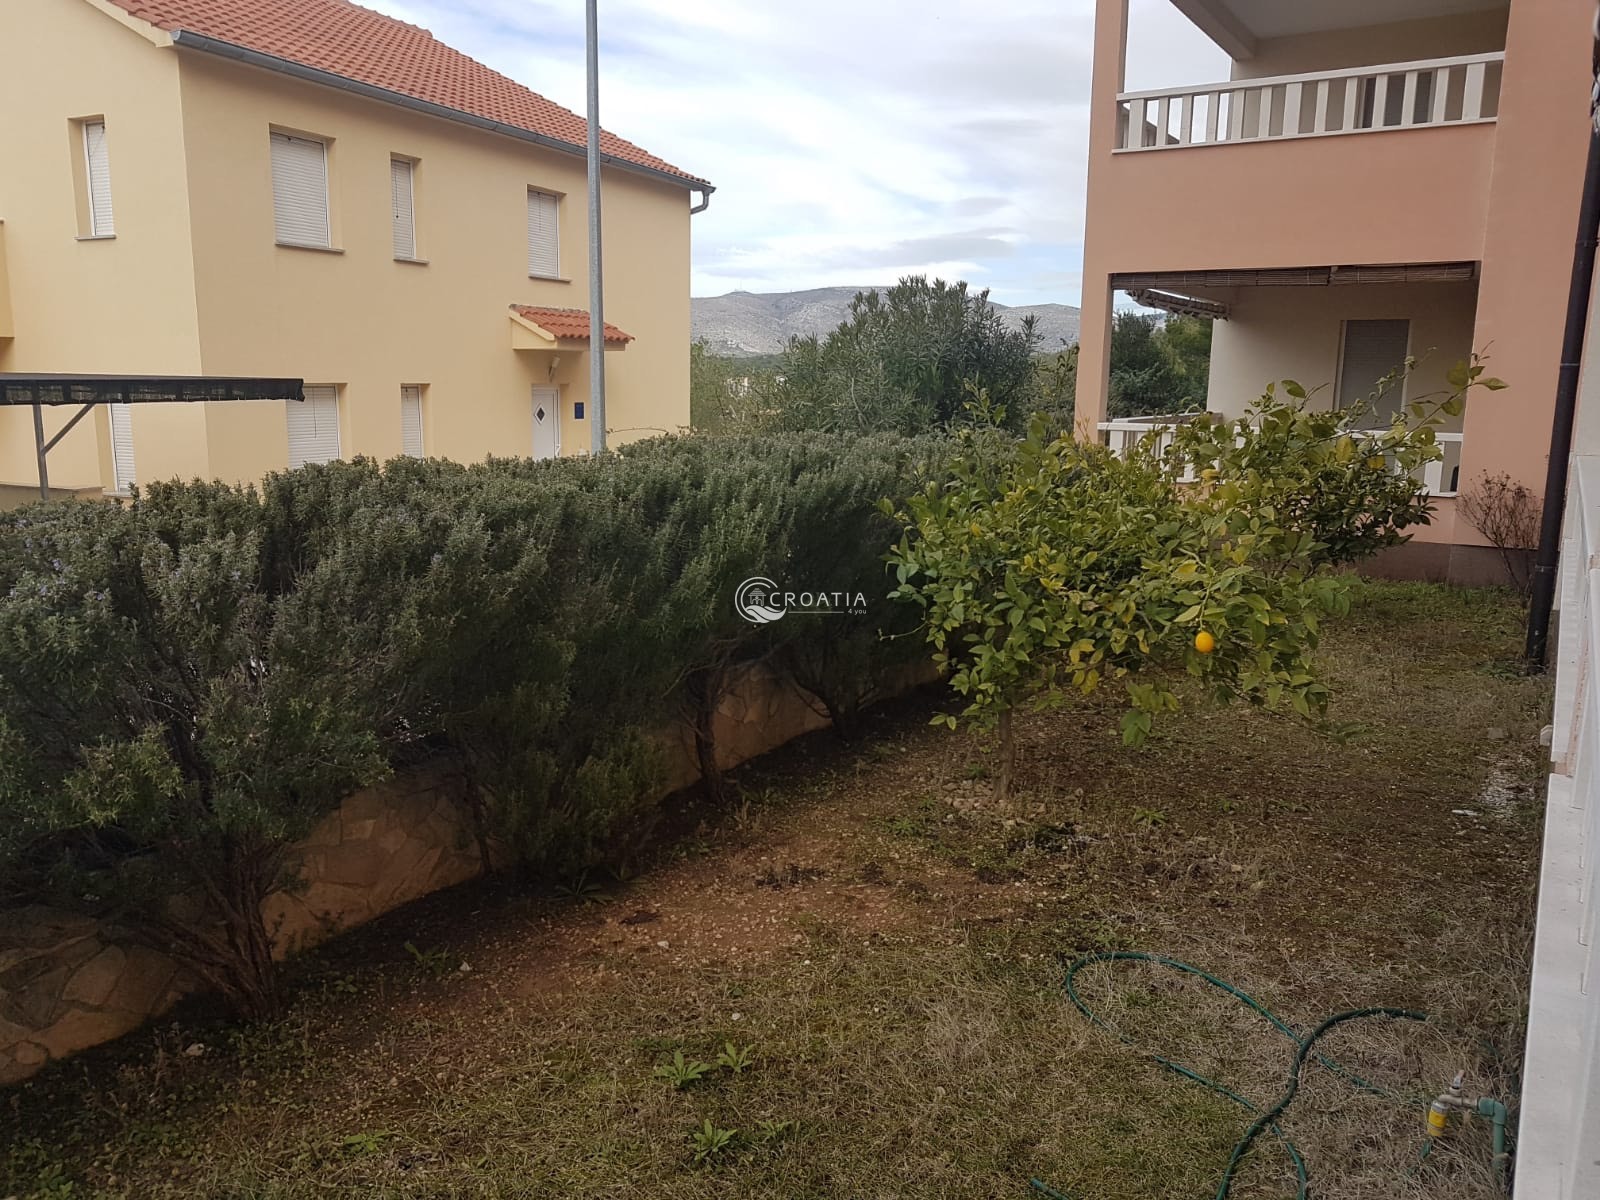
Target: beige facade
(1417,161)
(194,281)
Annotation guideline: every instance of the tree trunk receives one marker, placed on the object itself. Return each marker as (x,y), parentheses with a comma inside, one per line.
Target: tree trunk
(1008,762)
(478,811)
(705,690)
(253,990)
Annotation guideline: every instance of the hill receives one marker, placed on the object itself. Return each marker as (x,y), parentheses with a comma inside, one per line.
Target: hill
(748,323)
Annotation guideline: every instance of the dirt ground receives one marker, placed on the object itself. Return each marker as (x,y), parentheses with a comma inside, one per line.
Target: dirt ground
(876,952)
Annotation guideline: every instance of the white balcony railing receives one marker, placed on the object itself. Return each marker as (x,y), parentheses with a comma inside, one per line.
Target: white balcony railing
(1413,95)
(1440,478)
(1559,1127)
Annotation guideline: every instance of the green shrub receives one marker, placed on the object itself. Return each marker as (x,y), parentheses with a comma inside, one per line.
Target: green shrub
(189,682)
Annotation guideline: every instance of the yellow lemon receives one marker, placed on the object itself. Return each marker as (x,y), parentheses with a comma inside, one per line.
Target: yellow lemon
(1204,642)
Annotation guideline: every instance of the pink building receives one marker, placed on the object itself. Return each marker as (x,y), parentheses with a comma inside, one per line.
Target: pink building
(1377,178)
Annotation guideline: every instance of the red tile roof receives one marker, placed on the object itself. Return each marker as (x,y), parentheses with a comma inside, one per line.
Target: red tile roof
(356,43)
(567,323)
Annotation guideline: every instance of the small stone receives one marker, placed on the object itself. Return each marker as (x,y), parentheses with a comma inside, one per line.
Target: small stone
(663,945)
(195,1049)
(465,968)
(1495,733)
(1547,736)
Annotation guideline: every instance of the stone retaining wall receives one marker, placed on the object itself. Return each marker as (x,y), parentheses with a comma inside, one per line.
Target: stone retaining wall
(69,982)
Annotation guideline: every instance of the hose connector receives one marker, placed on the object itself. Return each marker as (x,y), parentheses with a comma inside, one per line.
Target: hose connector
(1445,1103)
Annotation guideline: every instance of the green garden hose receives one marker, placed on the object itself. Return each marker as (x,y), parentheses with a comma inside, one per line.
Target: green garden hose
(1265,1120)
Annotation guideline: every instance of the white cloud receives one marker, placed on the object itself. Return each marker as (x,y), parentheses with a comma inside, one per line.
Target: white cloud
(851,141)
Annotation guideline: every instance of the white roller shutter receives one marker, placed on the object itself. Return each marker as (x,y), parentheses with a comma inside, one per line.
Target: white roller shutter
(98,166)
(121,446)
(300,190)
(314,425)
(411,422)
(1373,350)
(544,234)
(402,207)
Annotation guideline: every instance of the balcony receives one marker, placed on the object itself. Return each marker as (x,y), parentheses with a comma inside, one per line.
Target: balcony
(1440,479)
(1392,96)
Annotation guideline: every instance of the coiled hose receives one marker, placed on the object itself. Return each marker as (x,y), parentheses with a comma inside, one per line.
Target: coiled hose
(1266,1120)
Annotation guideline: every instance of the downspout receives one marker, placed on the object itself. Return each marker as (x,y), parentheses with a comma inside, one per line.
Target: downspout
(1542,587)
(705,200)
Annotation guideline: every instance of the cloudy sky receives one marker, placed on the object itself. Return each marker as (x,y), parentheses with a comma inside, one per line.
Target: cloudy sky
(851,141)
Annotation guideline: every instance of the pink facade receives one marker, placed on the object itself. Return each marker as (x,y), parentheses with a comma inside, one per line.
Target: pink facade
(1331,157)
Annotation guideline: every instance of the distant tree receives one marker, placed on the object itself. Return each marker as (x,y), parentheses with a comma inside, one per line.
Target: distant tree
(1187,341)
(903,360)
(728,394)
(1056,387)
(1158,366)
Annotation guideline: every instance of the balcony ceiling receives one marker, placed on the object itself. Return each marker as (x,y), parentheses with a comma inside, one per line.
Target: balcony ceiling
(1237,25)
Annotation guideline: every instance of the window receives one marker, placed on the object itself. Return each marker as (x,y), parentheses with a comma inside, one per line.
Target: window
(314,425)
(300,191)
(544,235)
(1373,351)
(411,421)
(402,181)
(121,446)
(97,176)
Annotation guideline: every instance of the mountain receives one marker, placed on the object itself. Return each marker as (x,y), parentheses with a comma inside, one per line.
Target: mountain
(743,323)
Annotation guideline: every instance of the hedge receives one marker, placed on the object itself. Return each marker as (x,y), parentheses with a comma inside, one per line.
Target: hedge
(190,681)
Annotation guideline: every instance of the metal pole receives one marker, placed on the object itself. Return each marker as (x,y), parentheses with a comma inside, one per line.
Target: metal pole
(42,450)
(597,320)
(1542,586)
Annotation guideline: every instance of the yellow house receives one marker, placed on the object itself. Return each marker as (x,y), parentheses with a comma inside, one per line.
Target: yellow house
(308,188)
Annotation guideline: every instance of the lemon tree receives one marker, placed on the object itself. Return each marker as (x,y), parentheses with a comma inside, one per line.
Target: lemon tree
(1048,569)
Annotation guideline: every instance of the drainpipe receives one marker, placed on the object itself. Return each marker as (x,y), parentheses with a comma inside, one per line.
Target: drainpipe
(597,321)
(1542,591)
(705,200)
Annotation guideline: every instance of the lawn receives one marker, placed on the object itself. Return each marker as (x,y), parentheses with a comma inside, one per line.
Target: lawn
(882,952)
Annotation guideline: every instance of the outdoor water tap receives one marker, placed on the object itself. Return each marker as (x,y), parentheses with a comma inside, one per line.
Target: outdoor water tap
(1494,1111)
(1445,1103)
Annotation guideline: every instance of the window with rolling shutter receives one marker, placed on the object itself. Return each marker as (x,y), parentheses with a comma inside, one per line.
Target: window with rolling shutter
(1374,350)
(403,207)
(97,168)
(411,421)
(314,425)
(300,191)
(121,446)
(544,235)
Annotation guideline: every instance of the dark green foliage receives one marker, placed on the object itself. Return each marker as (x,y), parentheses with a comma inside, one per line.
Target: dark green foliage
(188,683)
(1158,366)
(903,361)
(168,724)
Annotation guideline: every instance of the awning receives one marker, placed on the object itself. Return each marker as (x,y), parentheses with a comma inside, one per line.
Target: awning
(18,388)
(1449,272)
(1183,306)
(87,391)
(550,328)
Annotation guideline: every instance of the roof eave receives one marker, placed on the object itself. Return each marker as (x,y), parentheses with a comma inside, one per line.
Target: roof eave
(1218,22)
(189,40)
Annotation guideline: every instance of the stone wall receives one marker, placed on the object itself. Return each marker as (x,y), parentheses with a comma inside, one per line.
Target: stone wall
(69,982)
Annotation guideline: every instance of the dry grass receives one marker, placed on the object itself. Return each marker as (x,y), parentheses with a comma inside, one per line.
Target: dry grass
(890,947)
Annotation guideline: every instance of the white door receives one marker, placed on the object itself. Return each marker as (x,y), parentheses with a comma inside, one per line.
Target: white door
(546,422)
(313,425)
(121,445)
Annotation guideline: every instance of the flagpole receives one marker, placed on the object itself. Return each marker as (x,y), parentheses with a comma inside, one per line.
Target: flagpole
(597,324)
